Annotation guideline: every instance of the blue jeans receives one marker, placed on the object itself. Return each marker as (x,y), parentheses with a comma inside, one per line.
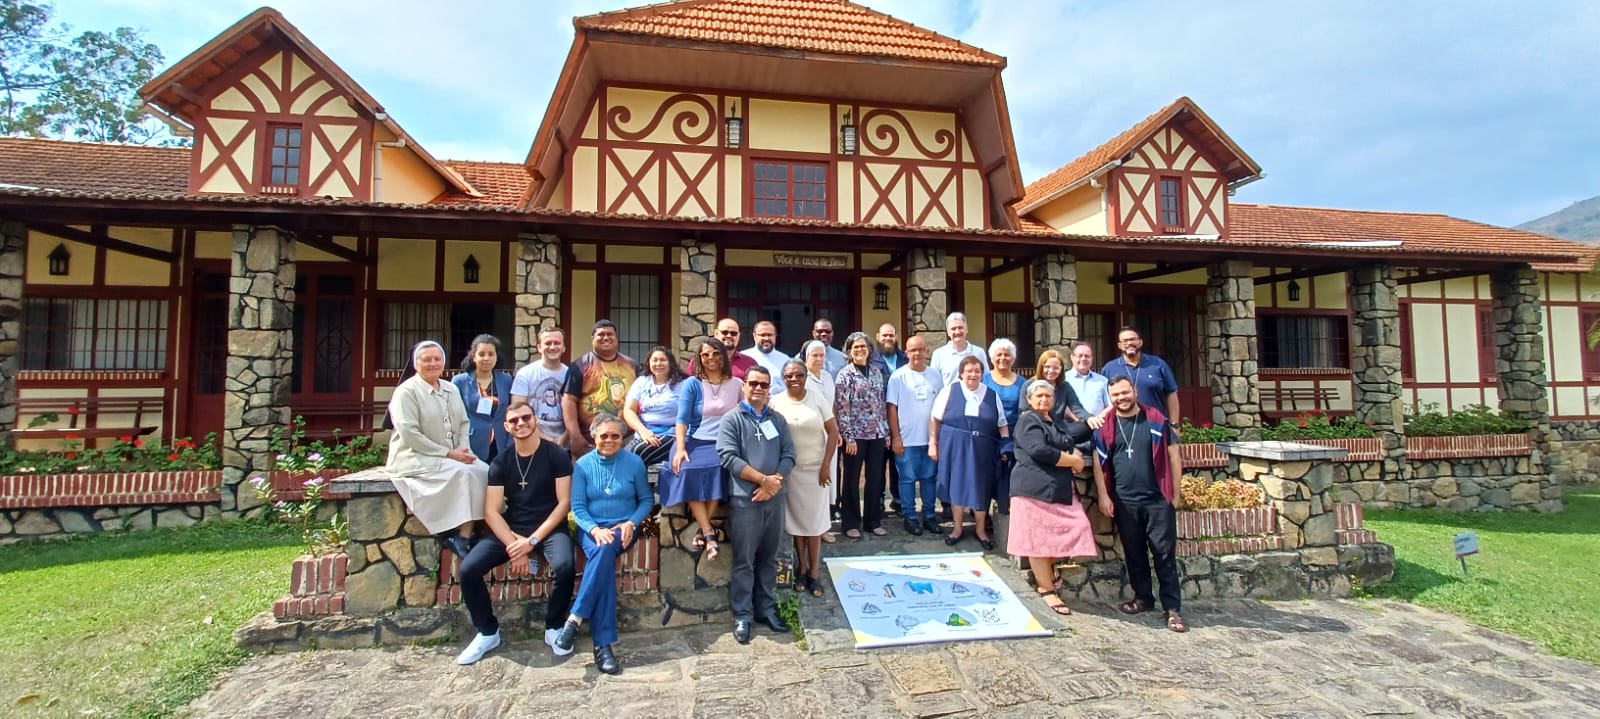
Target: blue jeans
(597,592)
(915,466)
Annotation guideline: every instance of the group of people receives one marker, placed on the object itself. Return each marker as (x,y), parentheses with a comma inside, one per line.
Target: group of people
(494,464)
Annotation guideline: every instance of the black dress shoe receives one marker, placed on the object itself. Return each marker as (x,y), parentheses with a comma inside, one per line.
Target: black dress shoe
(950,541)
(913,528)
(777,624)
(931,526)
(605,661)
(987,544)
(741,631)
(456,543)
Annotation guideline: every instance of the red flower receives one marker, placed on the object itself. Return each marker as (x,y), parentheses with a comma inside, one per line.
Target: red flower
(125,439)
(73,438)
(71,455)
(138,444)
(174,457)
(1206,425)
(1302,423)
(72,410)
(183,444)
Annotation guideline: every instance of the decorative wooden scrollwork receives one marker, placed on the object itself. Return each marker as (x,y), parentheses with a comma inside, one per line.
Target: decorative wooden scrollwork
(691,125)
(884,138)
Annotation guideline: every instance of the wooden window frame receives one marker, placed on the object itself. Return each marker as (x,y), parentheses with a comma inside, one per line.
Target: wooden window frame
(1487,351)
(789,164)
(99,332)
(1587,315)
(269,145)
(1161,202)
(1335,319)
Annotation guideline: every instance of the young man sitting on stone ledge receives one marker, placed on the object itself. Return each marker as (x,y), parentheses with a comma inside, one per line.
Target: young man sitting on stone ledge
(530,493)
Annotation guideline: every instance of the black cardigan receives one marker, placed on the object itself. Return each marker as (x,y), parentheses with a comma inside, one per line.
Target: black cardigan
(1040,443)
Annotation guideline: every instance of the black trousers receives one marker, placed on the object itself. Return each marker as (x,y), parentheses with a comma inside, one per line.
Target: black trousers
(1150,531)
(894,473)
(863,507)
(756,529)
(489,553)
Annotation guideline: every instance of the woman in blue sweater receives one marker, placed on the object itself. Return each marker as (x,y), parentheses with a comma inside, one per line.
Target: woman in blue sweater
(610,498)
(486,392)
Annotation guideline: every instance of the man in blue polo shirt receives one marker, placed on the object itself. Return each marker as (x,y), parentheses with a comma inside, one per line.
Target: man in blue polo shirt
(1151,376)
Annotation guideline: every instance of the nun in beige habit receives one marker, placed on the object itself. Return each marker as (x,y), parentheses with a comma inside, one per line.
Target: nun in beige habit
(430,459)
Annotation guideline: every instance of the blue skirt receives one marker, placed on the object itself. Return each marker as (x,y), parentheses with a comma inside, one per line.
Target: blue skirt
(702,478)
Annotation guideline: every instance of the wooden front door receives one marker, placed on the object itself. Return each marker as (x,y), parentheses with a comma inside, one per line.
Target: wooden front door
(322,380)
(793,303)
(1168,319)
(208,352)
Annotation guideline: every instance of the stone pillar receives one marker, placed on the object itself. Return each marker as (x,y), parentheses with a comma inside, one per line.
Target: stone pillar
(1296,479)
(1524,394)
(1375,361)
(927,296)
(260,347)
(697,294)
(13,256)
(1055,299)
(538,288)
(1231,346)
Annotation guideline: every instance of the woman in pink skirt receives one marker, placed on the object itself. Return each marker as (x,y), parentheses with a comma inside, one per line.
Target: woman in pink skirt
(1047,521)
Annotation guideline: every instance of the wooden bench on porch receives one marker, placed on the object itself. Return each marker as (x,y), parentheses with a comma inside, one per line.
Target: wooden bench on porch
(362,411)
(1295,399)
(80,411)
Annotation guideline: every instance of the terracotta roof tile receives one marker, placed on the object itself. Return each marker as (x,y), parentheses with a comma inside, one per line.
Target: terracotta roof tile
(1045,188)
(502,183)
(1416,231)
(830,26)
(83,166)
(1042,188)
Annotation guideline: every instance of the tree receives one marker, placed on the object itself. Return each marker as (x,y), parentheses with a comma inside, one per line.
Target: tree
(84,87)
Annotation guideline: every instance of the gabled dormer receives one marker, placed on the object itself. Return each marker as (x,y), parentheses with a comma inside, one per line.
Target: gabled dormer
(272,115)
(811,110)
(1170,174)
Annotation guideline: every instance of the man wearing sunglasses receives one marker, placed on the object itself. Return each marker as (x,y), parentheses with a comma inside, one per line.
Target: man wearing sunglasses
(727,332)
(529,495)
(756,449)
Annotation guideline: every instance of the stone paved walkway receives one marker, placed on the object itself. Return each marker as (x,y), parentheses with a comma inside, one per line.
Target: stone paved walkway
(1241,659)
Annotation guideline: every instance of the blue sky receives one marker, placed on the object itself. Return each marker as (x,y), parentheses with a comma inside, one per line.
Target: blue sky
(1481,109)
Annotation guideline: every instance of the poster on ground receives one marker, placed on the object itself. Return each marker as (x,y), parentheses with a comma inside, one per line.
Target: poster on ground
(896,600)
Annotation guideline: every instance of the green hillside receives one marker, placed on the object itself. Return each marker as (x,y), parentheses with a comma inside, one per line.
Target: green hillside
(1580,221)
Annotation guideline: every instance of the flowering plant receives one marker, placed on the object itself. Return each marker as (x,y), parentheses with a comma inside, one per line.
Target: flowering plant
(295,454)
(130,453)
(1206,433)
(1316,424)
(1201,493)
(320,537)
(1475,419)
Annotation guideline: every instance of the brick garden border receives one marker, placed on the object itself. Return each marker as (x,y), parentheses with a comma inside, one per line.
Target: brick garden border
(1475,445)
(110,489)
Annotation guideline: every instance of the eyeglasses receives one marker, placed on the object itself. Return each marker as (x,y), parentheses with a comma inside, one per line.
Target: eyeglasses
(520,419)
(794,376)
(757,385)
(609,436)
(728,332)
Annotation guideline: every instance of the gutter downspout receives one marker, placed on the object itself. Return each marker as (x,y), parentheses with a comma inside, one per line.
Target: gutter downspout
(377,165)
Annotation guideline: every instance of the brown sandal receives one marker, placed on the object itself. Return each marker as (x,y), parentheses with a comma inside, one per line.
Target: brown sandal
(1175,622)
(1057,606)
(1134,607)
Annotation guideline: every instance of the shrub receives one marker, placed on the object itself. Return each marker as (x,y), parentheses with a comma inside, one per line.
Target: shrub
(1316,424)
(1474,419)
(1206,433)
(1201,493)
(294,454)
(319,537)
(127,454)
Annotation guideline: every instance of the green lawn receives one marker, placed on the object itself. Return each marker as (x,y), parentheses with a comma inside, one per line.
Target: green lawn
(1538,575)
(131,624)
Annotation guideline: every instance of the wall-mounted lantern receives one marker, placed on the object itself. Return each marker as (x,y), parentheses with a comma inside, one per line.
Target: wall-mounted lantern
(734,132)
(1294,291)
(60,261)
(880,296)
(469,270)
(847,135)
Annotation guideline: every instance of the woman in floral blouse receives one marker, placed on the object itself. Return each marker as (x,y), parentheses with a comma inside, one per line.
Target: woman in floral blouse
(859,407)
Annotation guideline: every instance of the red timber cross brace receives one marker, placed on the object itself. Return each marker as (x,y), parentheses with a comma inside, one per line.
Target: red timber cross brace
(13,253)
(284,90)
(1138,190)
(902,178)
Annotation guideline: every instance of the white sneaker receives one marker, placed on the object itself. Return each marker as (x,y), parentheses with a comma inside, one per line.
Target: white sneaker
(480,646)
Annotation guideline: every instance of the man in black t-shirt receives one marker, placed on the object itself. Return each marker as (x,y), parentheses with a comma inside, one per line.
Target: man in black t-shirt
(530,493)
(1136,471)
